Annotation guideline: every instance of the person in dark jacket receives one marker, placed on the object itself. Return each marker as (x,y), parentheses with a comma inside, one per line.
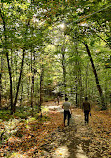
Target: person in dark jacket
(86,109)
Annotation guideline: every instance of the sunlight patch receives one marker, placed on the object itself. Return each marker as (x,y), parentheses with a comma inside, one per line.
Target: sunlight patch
(53,108)
(17,155)
(61,152)
(44,109)
(80,153)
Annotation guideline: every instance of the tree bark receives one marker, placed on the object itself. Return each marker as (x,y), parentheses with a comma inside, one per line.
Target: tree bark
(7,56)
(0,89)
(19,80)
(76,81)
(81,88)
(96,78)
(1,82)
(11,90)
(21,97)
(87,78)
(21,70)
(41,86)
(64,71)
(31,84)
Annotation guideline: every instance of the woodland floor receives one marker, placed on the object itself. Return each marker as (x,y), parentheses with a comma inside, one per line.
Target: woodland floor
(49,139)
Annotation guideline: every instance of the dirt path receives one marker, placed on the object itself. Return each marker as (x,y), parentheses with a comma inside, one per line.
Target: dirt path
(76,141)
(69,142)
(49,139)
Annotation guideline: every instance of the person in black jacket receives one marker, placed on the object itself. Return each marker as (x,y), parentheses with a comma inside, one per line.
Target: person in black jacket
(86,109)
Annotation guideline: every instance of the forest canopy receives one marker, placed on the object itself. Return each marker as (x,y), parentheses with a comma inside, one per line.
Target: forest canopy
(50,48)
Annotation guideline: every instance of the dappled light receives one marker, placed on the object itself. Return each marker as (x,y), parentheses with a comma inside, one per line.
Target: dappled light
(80,152)
(62,27)
(61,152)
(47,137)
(55,79)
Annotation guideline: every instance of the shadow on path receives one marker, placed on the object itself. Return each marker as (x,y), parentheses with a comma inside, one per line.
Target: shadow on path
(75,141)
(67,142)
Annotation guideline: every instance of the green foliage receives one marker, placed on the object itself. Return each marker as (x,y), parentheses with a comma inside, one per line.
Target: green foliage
(5,115)
(6,1)
(109,40)
(35,27)
(21,115)
(108,63)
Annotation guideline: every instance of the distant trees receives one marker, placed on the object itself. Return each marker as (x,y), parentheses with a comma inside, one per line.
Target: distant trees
(37,54)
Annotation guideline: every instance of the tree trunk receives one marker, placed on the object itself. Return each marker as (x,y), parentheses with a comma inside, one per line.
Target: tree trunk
(80,88)
(1,82)
(87,78)
(7,56)
(34,72)
(31,84)
(11,90)
(41,86)
(64,71)
(76,81)
(19,81)
(0,89)
(96,78)
(21,70)
(21,97)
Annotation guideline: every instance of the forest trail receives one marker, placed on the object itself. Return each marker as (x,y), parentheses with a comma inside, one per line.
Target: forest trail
(77,140)
(66,141)
(49,139)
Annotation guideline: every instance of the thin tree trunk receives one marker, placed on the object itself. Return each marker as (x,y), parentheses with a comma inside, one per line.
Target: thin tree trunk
(21,97)
(7,56)
(0,90)
(11,91)
(34,79)
(31,83)
(28,85)
(76,96)
(81,89)
(76,81)
(96,78)
(64,71)
(32,89)
(1,82)
(41,87)
(19,80)
(15,73)
(21,70)
(87,79)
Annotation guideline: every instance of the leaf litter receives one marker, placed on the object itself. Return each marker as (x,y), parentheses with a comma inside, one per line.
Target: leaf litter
(50,139)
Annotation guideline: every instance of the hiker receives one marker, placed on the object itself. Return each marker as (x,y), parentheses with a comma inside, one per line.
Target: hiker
(67,110)
(58,99)
(86,109)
